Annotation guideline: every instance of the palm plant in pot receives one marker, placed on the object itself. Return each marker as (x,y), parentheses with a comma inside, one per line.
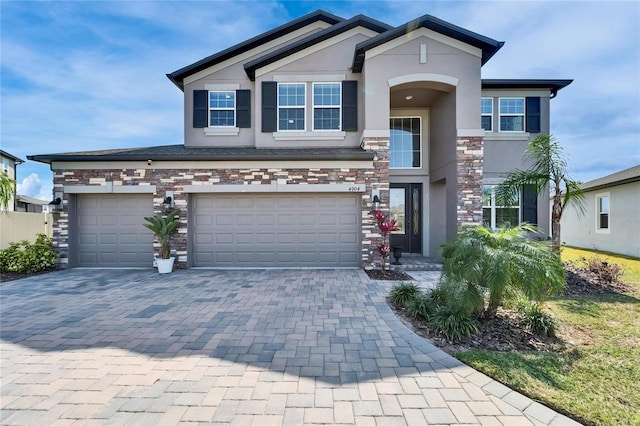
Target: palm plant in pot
(163,227)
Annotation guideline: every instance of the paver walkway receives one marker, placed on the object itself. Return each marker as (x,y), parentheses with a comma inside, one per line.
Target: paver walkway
(231,347)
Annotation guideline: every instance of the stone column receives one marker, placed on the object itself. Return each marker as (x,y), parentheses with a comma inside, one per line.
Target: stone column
(469,155)
(377,178)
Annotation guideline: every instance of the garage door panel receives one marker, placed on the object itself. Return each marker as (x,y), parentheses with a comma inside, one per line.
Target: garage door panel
(110,230)
(279,230)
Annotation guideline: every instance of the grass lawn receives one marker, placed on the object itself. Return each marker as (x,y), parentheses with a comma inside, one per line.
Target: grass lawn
(597,379)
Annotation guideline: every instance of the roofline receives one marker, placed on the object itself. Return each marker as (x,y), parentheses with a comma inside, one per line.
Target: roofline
(553,85)
(488,45)
(632,174)
(13,157)
(177,77)
(205,154)
(357,21)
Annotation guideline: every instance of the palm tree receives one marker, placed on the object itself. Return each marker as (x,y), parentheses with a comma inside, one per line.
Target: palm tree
(549,168)
(7,190)
(501,264)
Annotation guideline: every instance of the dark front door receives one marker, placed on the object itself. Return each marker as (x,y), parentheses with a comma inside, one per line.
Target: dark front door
(405,205)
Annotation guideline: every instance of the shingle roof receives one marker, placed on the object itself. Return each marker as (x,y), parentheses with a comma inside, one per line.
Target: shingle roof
(553,85)
(632,174)
(182,153)
(11,156)
(177,77)
(488,46)
(327,33)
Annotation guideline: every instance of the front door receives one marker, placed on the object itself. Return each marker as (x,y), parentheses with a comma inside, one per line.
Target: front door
(405,205)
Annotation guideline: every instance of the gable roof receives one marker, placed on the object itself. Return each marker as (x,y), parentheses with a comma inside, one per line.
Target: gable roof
(553,85)
(632,174)
(488,46)
(177,77)
(357,21)
(12,157)
(182,153)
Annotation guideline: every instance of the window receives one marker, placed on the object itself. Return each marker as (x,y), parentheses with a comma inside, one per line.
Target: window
(602,207)
(486,109)
(511,114)
(291,106)
(222,109)
(405,142)
(496,216)
(326,106)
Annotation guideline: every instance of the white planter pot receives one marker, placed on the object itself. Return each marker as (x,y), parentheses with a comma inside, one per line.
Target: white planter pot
(165,266)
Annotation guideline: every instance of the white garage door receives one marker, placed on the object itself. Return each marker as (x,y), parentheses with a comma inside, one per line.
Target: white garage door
(110,230)
(292,230)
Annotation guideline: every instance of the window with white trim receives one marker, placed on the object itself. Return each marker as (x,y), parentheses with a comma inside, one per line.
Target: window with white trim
(405,143)
(291,106)
(327,106)
(486,111)
(511,112)
(496,216)
(603,209)
(222,108)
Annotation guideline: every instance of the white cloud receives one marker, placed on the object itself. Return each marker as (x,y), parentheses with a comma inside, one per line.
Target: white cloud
(32,186)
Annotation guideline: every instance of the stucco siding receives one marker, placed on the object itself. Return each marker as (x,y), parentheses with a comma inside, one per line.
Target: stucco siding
(623,235)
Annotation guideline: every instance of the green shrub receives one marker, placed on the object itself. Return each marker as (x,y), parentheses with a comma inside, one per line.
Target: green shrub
(420,307)
(453,323)
(26,257)
(535,319)
(401,294)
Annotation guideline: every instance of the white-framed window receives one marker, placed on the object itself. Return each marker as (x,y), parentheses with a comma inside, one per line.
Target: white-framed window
(496,216)
(603,210)
(291,106)
(511,112)
(486,111)
(327,106)
(222,108)
(405,144)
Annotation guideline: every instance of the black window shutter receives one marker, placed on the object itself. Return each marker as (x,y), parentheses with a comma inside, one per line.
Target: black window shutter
(200,108)
(269,106)
(533,114)
(350,106)
(243,108)
(529,204)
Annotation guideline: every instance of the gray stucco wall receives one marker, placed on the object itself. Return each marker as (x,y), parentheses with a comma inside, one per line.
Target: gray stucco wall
(624,222)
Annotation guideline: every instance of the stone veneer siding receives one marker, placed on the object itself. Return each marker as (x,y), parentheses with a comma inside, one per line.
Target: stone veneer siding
(175,180)
(469,159)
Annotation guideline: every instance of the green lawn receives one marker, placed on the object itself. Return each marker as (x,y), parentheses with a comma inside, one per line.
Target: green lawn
(597,379)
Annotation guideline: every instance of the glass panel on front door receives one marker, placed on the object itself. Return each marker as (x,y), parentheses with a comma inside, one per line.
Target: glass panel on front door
(397,208)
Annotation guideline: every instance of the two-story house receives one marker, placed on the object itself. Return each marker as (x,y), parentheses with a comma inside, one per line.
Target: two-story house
(290,136)
(9,164)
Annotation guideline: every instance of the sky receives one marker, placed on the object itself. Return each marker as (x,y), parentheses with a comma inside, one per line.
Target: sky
(83,75)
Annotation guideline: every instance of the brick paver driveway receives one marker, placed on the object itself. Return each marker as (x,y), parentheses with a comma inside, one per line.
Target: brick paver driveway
(239,347)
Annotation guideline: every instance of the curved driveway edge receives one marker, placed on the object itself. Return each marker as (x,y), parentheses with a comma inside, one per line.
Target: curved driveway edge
(231,347)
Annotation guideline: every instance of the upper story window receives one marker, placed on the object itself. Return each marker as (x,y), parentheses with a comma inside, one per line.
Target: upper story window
(602,216)
(495,216)
(222,109)
(326,106)
(291,106)
(486,109)
(511,114)
(405,142)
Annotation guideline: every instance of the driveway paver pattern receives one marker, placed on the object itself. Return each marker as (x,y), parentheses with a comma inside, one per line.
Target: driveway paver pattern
(255,347)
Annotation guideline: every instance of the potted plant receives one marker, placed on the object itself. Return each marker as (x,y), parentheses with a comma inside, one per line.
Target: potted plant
(163,227)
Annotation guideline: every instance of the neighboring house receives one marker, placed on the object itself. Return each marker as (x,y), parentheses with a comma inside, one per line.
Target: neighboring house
(611,220)
(9,163)
(290,135)
(28,204)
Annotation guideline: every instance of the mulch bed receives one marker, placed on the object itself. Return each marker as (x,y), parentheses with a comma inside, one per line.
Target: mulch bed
(376,274)
(12,276)
(504,333)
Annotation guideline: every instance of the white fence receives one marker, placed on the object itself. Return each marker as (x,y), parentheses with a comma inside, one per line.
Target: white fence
(18,226)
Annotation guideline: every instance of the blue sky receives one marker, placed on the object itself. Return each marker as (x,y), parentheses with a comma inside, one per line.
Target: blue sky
(91,75)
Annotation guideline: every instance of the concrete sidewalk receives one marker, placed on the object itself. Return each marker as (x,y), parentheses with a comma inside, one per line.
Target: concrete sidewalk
(231,347)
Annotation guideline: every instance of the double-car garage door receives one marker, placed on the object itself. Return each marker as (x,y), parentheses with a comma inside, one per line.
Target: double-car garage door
(275,230)
(227,230)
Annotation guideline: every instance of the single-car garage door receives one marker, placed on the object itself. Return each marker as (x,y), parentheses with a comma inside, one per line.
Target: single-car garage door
(276,230)
(110,230)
